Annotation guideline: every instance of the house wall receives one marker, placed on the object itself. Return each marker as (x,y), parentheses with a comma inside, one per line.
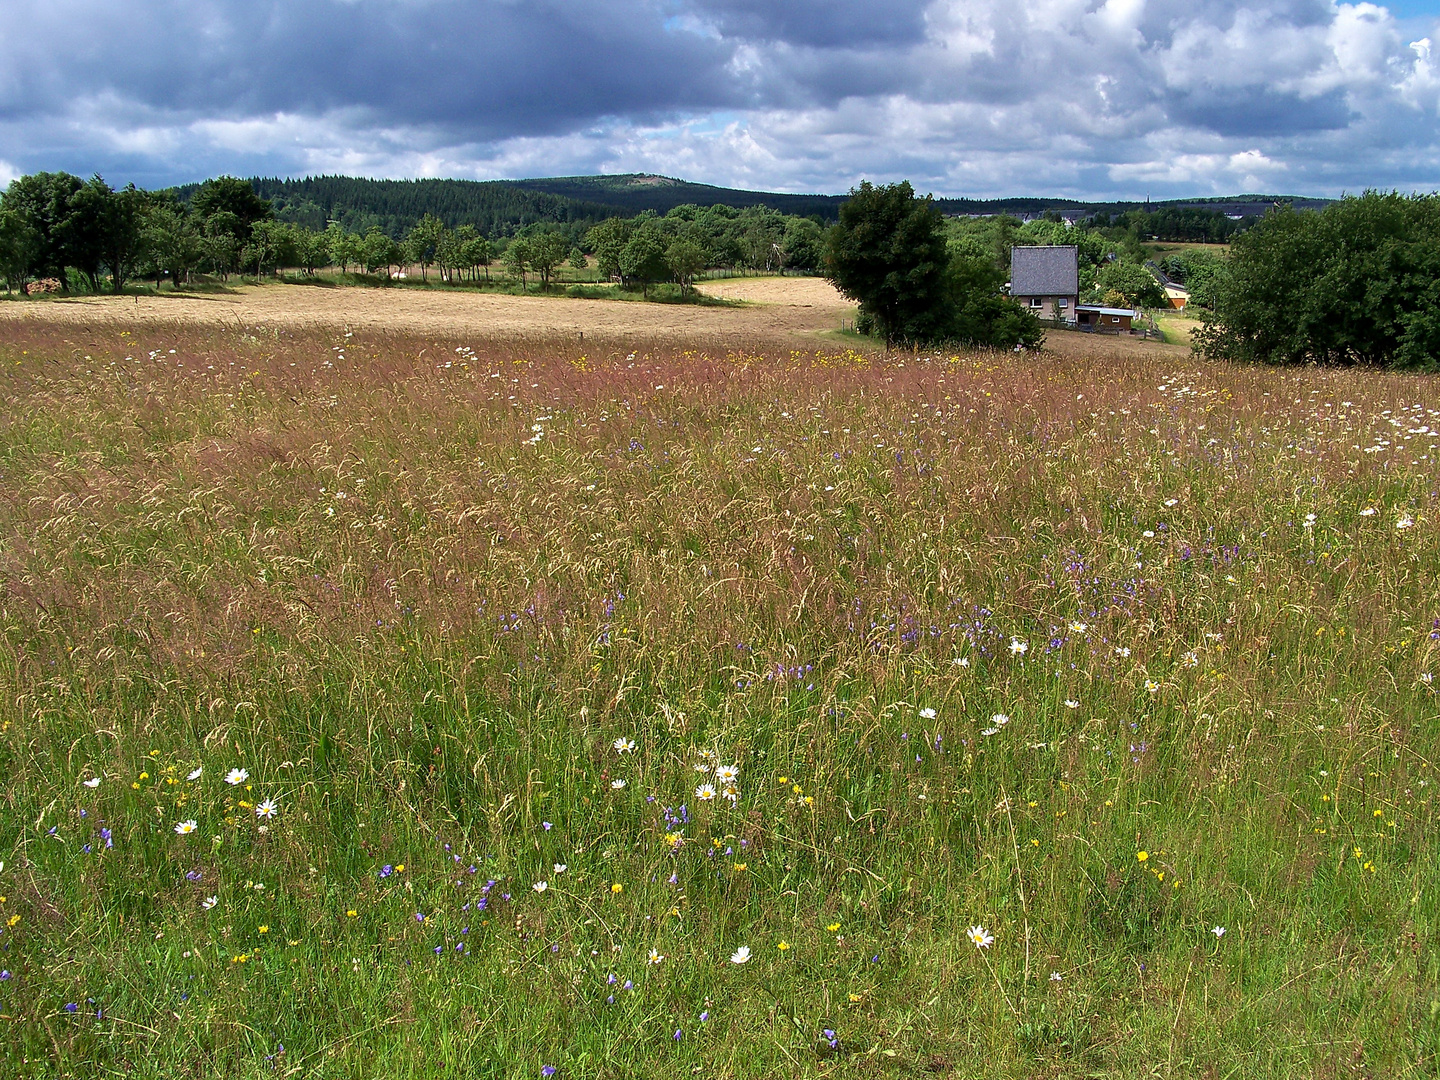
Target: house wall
(1050,307)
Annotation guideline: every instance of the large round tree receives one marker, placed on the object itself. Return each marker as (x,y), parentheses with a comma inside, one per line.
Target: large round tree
(888,254)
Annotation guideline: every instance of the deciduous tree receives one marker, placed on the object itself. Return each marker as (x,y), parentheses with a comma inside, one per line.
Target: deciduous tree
(642,259)
(235,198)
(43,202)
(547,251)
(1356,283)
(174,244)
(888,254)
(19,248)
(685,260)
(517,258)
(607,240)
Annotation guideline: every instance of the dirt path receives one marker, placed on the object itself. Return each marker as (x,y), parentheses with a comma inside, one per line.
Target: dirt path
(774,307)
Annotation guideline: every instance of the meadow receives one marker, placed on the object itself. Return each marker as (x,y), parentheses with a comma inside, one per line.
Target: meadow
(391,704)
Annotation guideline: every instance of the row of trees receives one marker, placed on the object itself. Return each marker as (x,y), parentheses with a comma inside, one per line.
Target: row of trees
(52,224)
(1187,224)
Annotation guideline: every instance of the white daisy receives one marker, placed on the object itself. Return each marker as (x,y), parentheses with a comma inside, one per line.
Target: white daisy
(540,886)
(705,792)
(624,746)
(981,939)
(185,828)
(927,714)
(195,774)
(236,776)
(740,955)
(1018,647)
(209,902)
(93,782)
(266,809)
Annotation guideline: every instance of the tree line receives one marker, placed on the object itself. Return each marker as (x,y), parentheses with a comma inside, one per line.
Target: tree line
(503,207)
(494,208)
(57,227)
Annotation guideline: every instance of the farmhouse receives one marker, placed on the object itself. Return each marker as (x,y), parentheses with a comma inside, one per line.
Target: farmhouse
(1046,280)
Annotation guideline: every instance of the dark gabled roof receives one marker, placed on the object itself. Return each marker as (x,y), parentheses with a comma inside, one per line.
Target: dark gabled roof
(1044,271)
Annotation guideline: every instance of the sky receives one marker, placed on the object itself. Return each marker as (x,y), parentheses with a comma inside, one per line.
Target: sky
(983,98)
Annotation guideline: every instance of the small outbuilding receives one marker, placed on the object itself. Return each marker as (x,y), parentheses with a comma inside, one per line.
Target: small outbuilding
(1105,319)
(1046,280)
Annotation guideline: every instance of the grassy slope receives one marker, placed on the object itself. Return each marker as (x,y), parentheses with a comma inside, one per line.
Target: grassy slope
(417,591)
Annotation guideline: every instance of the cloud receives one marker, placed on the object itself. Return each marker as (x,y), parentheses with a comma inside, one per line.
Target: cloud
(983,97)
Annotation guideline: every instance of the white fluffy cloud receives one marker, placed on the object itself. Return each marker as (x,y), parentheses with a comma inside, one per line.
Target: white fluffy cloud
(963,97)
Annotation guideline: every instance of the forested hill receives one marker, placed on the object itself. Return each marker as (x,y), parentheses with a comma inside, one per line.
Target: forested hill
(502,207)
(634,193)
(494,207)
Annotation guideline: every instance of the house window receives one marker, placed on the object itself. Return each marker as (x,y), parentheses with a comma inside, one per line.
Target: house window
(1062,303)
(1035,301)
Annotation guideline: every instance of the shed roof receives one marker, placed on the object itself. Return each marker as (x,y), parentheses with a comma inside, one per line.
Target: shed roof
(1044,271)
(1096,309)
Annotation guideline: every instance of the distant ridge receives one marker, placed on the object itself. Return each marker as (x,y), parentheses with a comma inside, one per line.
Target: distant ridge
(500,207)
(636,192)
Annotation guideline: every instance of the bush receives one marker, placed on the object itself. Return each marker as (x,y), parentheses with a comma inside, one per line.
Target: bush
(1357,283)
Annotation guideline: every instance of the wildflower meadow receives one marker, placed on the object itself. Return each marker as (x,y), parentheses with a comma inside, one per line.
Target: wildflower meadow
(375,705)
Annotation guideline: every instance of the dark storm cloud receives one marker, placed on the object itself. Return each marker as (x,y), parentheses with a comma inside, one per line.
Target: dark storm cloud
(818,23)
(1249,112)
(486,69)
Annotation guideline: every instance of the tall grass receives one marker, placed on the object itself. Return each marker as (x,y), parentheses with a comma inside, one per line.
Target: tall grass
(1049,647)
